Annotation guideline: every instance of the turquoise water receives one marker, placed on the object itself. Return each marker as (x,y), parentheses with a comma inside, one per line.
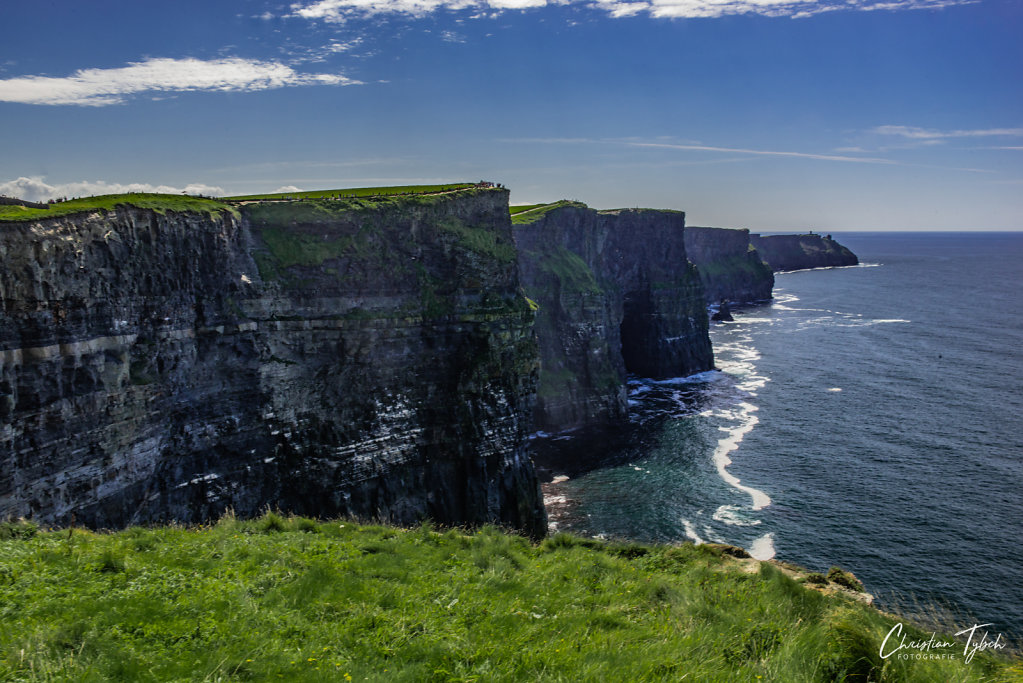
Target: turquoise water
(870,417)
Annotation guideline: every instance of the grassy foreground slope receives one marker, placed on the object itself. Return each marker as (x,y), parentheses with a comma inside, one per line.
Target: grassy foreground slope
(297,600)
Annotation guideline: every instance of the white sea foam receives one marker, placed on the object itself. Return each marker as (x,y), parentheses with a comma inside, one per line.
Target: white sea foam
(712,536)
(807,270)
(745,319)
(747,421)
(868,323)
(731,515)
(763,547)
(688,379)
(835,389)
(691,532)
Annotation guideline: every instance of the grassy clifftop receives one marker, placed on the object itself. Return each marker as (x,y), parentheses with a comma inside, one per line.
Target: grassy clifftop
(293,599)
(108,202)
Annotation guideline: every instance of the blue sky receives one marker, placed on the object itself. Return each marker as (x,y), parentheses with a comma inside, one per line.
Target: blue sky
(767,114)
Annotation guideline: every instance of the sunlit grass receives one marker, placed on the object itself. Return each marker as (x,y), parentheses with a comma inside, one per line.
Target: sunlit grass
(285,598)
(355,192)
(156,202)
(531,213)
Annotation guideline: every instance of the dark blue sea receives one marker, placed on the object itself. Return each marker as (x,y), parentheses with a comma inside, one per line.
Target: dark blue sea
(870,417)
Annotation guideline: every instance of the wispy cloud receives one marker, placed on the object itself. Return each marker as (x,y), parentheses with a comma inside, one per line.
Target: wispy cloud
(340,11)
(764,152)
(102,87)
(36,189)
(693,147)
(914,133)
(748,153)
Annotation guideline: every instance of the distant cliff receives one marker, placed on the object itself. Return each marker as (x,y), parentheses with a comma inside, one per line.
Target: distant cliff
(615,294)
(730,267)
(797,252)
(369,358)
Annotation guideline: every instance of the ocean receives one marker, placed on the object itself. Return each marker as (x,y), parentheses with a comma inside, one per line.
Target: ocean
(869,417)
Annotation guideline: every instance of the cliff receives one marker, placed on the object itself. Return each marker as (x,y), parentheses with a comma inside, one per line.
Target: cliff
(368,358)
(615,295)
(730,267)
(797,252)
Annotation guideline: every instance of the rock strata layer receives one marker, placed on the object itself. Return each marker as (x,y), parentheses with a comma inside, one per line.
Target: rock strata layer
(366,358)
(615,294)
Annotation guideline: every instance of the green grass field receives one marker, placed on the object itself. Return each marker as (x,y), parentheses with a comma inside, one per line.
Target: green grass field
(173,202)
(293,599)
(157,202)
(529,213)
(356,192)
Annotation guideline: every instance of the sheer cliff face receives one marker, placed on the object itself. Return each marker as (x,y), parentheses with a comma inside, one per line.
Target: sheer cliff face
(730,268)
(797,252)
(330,358)
(615,294)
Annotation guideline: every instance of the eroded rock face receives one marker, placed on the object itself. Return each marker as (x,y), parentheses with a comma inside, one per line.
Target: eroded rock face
(615,294)
(730,267)
(797,252)
(367,358)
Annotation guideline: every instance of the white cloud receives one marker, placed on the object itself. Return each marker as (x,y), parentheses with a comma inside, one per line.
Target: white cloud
(35,189)
(914,133)
(287,188)
(340,11)
(100,87)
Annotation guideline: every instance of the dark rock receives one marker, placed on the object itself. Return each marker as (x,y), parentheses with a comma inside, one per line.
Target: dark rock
(798,252)
(724,313)
(615,294)
(366,358)
(730,267)
(726,549)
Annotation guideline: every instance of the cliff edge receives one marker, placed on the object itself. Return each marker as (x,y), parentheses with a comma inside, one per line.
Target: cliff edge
(372,358)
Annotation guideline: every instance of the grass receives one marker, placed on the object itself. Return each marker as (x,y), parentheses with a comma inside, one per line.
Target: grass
(157,202)
(284,598)
(534,212)
(482,240)
(356,192)
(572,273)
(173,202)
(519,208)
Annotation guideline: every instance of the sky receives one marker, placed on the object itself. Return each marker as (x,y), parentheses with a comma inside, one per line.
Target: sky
(771,115)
